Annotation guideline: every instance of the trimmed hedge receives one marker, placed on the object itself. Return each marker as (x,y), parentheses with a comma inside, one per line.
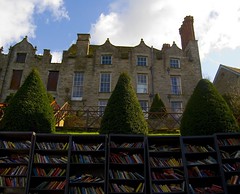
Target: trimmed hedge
(207,112)
(123,113)
(157,109)
(29,109)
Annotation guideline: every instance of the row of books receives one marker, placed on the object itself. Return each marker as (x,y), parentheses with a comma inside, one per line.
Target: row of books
(234,180)
(197,148)
(86,190)
(14,171)
(15,158)
(86,178)
(38,158)
(208,160)
(228,141)
(49,172)
(52,145)
(226,155)
(119,174)
(87,147)
(87,159)
(13,181)
(165,162)
(15,145)
(164,148)
(121,188)
(196,172)
(166,188)
(52,185)
(211,189)
(125,158)
(231,167)
(166,174)
(126,145)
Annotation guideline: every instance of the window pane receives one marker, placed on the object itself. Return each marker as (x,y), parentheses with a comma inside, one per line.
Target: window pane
(52,80)
(141,61)
(102,105)
(174,63)
(144,105)
(78,85)
(106,60)
(176,85)
(21,57)
(105,82)
(16,79)
(142,83)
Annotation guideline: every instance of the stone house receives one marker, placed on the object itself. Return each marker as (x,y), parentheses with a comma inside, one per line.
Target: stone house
(88,73)
(227,79)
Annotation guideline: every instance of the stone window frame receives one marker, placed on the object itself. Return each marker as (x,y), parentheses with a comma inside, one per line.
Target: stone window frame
(77,87)
(106,59)
(142,83)
(176,87)
(21,57)
(175,63)
(105,82)
(142,60)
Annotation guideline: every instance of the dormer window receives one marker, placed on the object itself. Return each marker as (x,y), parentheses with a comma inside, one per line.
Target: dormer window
(175,63)
(21,57)
(141,61)
(106,59)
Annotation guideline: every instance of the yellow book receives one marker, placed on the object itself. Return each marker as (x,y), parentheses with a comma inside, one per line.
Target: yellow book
(139,187)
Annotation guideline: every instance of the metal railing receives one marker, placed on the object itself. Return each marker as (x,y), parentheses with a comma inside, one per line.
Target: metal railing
(89,118)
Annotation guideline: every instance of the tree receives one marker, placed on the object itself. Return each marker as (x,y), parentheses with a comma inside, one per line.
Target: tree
(29,109)
(157,109)
(207,112)
(123,113)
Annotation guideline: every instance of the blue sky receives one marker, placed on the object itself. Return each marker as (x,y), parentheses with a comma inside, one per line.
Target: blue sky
(54,25)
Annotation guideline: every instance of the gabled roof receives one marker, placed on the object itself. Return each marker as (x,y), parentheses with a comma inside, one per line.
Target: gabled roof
(233,70)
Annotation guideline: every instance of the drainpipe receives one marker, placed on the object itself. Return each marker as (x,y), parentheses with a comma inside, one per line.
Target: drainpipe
(152,74)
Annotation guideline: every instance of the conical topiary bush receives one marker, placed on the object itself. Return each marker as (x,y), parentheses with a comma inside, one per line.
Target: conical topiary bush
(29,109)
(123,113)
(207,112)
(157,109)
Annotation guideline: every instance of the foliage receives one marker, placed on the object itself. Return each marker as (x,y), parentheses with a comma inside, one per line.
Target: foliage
(29,109)
(123,113)
(157,109)
(207,112)
(233,101)
(8,98)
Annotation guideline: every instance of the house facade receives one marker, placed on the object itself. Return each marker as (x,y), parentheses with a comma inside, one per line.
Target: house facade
(227,79)
(88,73)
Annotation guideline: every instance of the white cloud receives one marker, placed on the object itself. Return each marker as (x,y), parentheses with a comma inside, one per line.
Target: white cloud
(217,23)
(56,57)
(17,18)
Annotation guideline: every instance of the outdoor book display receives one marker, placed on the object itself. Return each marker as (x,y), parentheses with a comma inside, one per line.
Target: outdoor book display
(229,149)
(202,168)
(33,163)
(166,169)
(126,166)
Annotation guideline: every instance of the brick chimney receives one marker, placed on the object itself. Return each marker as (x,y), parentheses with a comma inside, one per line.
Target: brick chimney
(187,31)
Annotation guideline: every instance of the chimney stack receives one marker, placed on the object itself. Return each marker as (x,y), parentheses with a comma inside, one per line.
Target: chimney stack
(186,31)
(83,42)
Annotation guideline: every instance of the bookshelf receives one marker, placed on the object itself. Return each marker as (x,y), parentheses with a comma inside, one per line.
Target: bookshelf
(49,166)
(126,164)
(88,164)
(166,170)
(202,167)
(15,161)
(229,153)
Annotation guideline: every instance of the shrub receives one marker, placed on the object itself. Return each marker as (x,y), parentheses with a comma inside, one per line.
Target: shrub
(207,112)
(29,109)
(157,109)
(123,113)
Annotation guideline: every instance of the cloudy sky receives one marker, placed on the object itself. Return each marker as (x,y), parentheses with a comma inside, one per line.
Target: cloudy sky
(54,25)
